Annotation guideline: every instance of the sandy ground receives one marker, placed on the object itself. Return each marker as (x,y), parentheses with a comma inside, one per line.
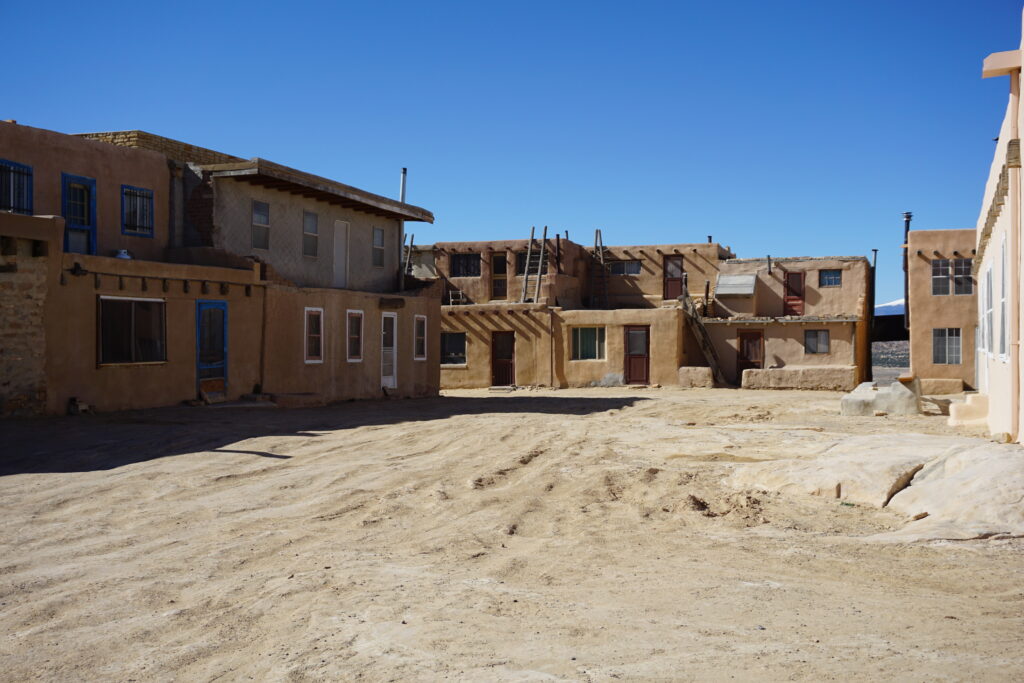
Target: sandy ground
(540,535)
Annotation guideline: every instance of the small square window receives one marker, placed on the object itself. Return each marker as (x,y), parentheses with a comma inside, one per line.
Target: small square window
(420,338)
(131,331)
(464,265)
(355,336)
(830,278)
(260,225)
(378,247)
(314,335)
(453,348)
(587,343)
(136,211)
(310,234)
(816,341)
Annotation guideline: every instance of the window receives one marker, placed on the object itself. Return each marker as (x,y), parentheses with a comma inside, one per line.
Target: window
(946,346)
(314,335)
(131,330)
(989,338)
(962,281)
(521,263)
(816,341)
(378,247)
(355,336)
(1004,329)
(310,234)
(78,206)
(136,211)
(15,187)
(419,345)
(260,225)
(830,278)
(940,276)
(453,348)
(464,265)
(624,268)
(587,343)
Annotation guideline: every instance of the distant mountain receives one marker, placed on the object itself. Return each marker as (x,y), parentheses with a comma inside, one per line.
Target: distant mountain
(891,308)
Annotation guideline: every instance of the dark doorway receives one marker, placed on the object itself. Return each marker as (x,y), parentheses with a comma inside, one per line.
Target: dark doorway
(212,349)
(750,353)
(675,278)
(503,359)
(638,354)
(793,303)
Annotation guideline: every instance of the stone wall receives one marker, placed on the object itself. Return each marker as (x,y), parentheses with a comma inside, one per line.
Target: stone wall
(22,335)
(173,149)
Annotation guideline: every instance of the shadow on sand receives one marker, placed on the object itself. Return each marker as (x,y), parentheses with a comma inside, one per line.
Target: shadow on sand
(106,441)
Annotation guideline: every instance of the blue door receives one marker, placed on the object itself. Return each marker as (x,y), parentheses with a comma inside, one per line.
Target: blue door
(212,349)
(78,206)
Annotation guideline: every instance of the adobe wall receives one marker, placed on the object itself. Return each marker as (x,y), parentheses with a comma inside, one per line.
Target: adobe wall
(849,299)
(929,311)
(828,378)
(784,344)
(233,233)
(336,379)
(700,262)
(50,154)
(25,278)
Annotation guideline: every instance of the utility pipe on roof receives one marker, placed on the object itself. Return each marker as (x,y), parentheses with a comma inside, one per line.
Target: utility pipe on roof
(401,232)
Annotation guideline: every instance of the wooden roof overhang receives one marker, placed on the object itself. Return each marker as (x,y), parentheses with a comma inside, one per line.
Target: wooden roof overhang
(268,174)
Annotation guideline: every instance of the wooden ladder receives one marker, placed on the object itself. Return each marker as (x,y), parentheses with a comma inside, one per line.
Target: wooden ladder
(696,325)
(599,274)
(536,264)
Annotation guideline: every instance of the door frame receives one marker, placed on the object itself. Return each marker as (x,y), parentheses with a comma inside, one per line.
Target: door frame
(786,296)
(665,278)
(739,351)
(65,180)
(222,304)
(394,350)
(626,355)
(512,361)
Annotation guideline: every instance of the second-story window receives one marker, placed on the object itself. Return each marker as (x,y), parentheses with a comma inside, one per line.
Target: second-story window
(624,268)
(957,271)
(15,187)
(378,247)
(830,278)
(962,281)
(136,211)
(940,276)
(464,265)
(310,234)
(260,225)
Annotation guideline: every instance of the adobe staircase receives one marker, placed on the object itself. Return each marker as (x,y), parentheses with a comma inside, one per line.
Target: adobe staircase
(599,274)
(700,333)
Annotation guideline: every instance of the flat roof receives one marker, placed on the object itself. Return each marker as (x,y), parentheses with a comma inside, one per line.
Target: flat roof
(268,174)
(789,259)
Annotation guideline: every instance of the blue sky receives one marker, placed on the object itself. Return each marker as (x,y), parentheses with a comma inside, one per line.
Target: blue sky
(789,128)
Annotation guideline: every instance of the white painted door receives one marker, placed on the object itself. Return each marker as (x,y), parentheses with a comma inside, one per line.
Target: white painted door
(340,254)
(388,357)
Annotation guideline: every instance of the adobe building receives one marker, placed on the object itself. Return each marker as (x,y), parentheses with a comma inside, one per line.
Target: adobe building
(996,270)
(942,309)
(130,278)
(649,314)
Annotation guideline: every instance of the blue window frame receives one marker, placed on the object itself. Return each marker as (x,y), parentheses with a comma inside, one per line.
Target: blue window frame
(211,343)
(15,187)
(830,278)
(78,206)
(136,211)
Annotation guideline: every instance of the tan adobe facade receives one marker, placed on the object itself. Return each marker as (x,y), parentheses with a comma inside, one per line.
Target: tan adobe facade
(942,304)
(173,323)
(631,325)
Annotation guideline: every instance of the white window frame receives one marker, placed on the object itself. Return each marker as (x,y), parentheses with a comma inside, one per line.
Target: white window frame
(959,336)
(394,375)
(314,235)
(989,301)
(374,249)
(1004,329)
(362,334)
(416,320)
(305,335)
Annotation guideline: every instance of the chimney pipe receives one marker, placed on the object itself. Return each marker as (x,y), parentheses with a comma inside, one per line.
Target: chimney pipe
(401,186)
(709,239)
(907,217)
(769,264)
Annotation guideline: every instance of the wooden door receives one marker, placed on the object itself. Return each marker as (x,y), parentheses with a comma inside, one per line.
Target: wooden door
(212,349)
(503,359)
(638,354)
(675,278)
(793,301)
(750,353)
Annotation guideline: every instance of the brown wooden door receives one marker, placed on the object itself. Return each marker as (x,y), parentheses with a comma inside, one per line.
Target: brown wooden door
(750,352)
(503,359)
(793,302)
(638,354)
(674,277)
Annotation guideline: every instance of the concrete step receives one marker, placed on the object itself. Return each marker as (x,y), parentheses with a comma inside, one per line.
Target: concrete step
(971,413)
